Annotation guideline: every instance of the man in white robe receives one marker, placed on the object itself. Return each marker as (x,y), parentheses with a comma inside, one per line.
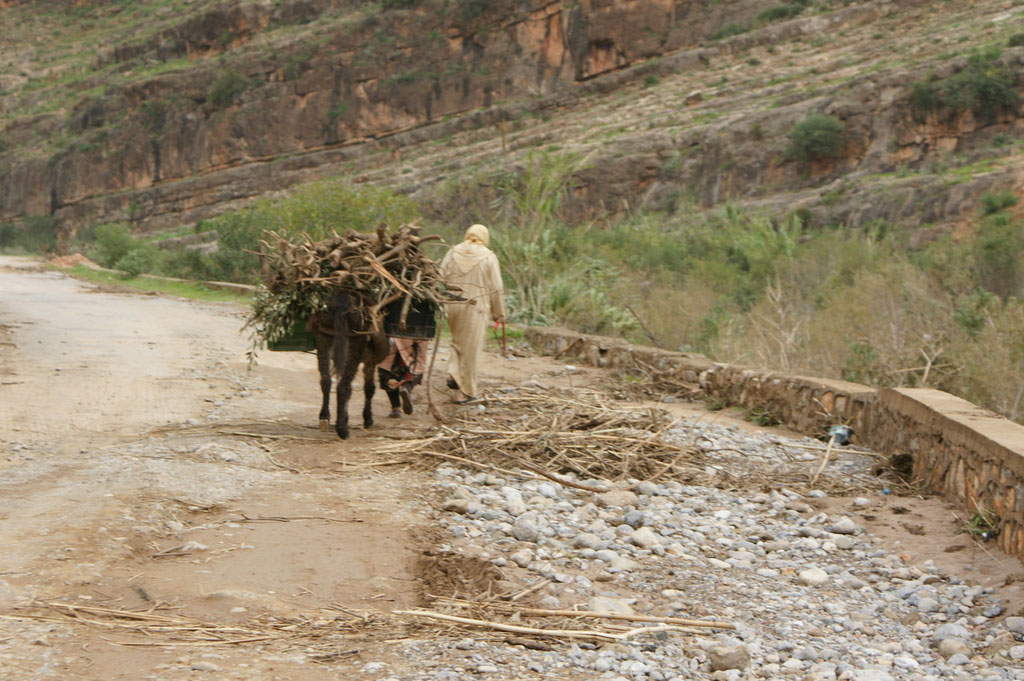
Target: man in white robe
(474,268)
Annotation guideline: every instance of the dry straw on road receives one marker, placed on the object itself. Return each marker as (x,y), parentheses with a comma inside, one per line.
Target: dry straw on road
(554,433)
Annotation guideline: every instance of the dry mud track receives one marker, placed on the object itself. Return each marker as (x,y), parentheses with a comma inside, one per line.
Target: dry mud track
(143,467)
(130,480)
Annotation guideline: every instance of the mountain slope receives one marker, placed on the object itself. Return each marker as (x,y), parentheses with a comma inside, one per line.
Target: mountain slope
(167,112)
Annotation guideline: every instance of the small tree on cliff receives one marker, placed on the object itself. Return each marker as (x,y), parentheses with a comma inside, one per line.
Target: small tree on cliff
(817,137)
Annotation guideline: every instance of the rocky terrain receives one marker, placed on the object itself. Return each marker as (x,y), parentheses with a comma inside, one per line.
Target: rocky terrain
(181,109)
(830,600)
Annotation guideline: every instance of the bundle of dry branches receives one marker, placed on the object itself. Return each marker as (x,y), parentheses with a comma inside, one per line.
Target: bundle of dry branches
(386,266)
(568,432)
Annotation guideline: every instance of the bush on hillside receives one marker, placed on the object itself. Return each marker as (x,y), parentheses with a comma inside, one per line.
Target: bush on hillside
(153,115)
(992,203)
(321,208)
(983,86)
(35,234)
(974,310)
(111,242)
(317,209)
(8,235)
(817,137)
(140,260)
(729,30)
(991,363)
(1015,40)
(779,13)
(999,256)
(468,10)
(924,97)
(226,89)
(22,238)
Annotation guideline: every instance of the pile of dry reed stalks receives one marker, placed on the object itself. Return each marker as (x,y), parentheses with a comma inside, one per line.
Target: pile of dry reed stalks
(548,432)
(507,617)
(581,438)
(644,382)
(327,637)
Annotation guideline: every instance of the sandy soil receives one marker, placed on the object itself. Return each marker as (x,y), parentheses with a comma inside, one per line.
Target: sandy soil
(143,466)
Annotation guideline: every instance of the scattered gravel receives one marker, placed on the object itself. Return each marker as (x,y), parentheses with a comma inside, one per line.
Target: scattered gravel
(813,596)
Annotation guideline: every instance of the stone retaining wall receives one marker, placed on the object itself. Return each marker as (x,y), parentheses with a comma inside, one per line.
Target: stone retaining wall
(971,456)
(968,454)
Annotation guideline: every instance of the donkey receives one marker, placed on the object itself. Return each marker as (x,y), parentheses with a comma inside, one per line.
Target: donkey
(346,336)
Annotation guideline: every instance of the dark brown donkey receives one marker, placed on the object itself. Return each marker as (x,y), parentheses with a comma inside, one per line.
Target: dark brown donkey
(347,337)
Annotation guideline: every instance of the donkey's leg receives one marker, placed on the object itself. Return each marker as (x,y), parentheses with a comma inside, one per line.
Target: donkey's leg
(368,387)
(323,363)
(347,363)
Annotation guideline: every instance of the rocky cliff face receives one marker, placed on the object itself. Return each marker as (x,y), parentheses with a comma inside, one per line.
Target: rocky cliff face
(268,94)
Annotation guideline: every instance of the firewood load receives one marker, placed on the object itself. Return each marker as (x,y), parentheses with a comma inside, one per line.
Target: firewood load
(299,276)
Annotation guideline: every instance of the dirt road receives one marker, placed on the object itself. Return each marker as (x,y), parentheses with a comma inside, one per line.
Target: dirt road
(131,477)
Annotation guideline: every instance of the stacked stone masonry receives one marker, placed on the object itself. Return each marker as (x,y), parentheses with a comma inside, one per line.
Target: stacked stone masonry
(971,456)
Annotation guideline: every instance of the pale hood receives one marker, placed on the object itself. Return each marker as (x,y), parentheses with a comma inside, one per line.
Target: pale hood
(468,254)
(479,233)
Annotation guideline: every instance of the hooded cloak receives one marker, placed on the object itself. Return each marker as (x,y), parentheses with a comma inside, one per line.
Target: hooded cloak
(474,268)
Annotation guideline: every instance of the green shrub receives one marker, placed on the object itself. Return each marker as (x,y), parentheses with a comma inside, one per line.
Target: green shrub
(861,364)
(112,241)
(399,4)
(299,62)
(226,89)
(468,10)
(984,86)
(138,261)
(317,209)
(819,136)
(924,97)
(321,208)
(999,256)
(185,263)
(729,30)
(779,12)
(8,235)
(35,234)
(337,112)
(993,203)
(237,244)
(765,415)
(153,114)
(999,140)
(973,310)
(1015,40)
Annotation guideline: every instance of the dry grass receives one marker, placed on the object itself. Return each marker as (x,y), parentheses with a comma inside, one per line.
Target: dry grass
(580,434)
